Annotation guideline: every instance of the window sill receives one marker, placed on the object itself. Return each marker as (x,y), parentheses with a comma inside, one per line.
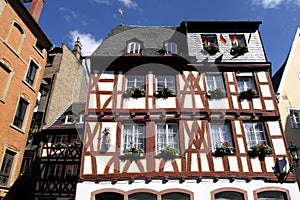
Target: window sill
(17,129)
(29,86)
(2,100)
(133,54)
(38,51)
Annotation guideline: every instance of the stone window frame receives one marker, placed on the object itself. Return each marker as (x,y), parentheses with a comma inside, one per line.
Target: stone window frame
(228,189)
(7,67)
(14,163)
(16,24)
(26,116)
(266,189)
(295,123)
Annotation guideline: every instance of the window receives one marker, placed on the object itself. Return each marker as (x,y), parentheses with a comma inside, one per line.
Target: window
(142,196)
(167,136)
(255,133)
(214,81)
(229,196)
(166,81)
(109,196)
(20,113)
(134,135)
(54,171)
(39,46)
(6,167)
(245,81)
(171,48)
(69,119)
(176,196)
(294,117)
(75,138)
(209,40)
(134,47)
(272,195)
(237,40)
(61,139)
(32,69)
(16,36)
(71,171)
(220,133)
(135,82)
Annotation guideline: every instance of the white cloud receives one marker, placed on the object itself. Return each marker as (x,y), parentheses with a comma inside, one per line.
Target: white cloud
(129,3)
(107,2)
(88,41)
(69,14)
(268,4)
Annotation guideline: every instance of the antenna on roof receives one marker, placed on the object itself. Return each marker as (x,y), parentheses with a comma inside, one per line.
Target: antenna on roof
(121,11)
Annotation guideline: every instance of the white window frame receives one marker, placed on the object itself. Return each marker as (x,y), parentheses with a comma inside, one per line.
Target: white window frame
(163,81)
(244,85)
(134,47)
(166,135)
(133,81)
(259,136)
(294,119)
(69,119)
(220,132)
(133,135)
(214,83)
(171,48)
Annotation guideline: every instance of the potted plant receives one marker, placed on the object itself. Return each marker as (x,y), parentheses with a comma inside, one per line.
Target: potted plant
(132,153)
(218,93)
(211,49)
(134,92)
(238,50)
(75,144)
(168,153)
(60,145)
(249,94)
(164,92)
(260,150)
(224,149)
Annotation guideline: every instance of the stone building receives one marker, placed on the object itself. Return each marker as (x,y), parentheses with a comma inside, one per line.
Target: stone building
(286,81)
(23,54)
(185,112)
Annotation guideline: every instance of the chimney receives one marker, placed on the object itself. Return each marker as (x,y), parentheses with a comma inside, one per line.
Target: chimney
(77,49)
(35,8)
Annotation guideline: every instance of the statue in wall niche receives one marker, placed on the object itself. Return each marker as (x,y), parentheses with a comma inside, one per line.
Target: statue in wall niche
(105,139)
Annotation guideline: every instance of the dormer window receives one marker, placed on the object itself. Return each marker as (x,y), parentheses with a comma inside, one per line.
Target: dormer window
(210,44)
(237,40)
(133,47)
(171,48)
(68,119)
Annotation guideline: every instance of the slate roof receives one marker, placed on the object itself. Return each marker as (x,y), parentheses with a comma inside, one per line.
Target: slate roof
(152,38)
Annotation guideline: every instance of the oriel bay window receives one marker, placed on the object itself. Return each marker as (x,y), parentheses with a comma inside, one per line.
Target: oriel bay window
(133,136)
(167,136)
(220,134)
(255,133)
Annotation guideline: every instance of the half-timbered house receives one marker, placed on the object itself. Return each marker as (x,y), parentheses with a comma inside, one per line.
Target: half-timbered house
(183,112)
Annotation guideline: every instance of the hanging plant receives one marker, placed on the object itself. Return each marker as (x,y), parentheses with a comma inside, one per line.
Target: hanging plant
(249,94)
(218,93)
(238,50)
(134,92)
(211,49)
(164,92)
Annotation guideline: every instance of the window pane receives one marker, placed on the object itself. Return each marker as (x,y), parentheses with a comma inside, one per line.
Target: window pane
(31,73)
(166,81)
(294,116)
(142,196)
(229,196)
(255,133)
(135,81)
(245,82)
(272,195)
(133,136)
(167,136)
(171,48)
(6,167)
(214,81)
(220,133)
(176,196)
(109,196)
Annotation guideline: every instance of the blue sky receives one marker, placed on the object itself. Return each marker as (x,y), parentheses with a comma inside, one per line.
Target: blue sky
(91,20)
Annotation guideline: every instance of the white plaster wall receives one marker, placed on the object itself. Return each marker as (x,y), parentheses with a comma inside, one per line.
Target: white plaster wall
(200,190)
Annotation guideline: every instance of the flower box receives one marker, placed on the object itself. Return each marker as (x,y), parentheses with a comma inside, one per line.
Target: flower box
(238,50)
(249,94)
(168,153)
(132,153)
(260,150)
(164,92)
(224,149)
(134,92)
(211,49)
(60,145)
(218,93)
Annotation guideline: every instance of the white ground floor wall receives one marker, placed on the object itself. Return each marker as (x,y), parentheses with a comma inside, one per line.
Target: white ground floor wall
(203,190)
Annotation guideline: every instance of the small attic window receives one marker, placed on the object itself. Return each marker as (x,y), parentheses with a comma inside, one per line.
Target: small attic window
(171,48)
(69,119)
(133,47)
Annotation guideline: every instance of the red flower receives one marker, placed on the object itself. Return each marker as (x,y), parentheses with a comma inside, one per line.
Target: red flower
(249,89)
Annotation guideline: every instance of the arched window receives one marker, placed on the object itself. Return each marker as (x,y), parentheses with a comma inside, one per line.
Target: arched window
(109,196)
(134,47)
(15,37)
(229,196)
(176,196)
(272,195)
(6,73)
(171,48)
(142,196)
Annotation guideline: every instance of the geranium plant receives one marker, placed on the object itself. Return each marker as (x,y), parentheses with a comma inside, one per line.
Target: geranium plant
(238,50)
(60,145)
(134,92)
(164,92)
(132,153)
(224,149)
(248,94)
(218,93)
(168,153)
(211,49)
(260,150)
